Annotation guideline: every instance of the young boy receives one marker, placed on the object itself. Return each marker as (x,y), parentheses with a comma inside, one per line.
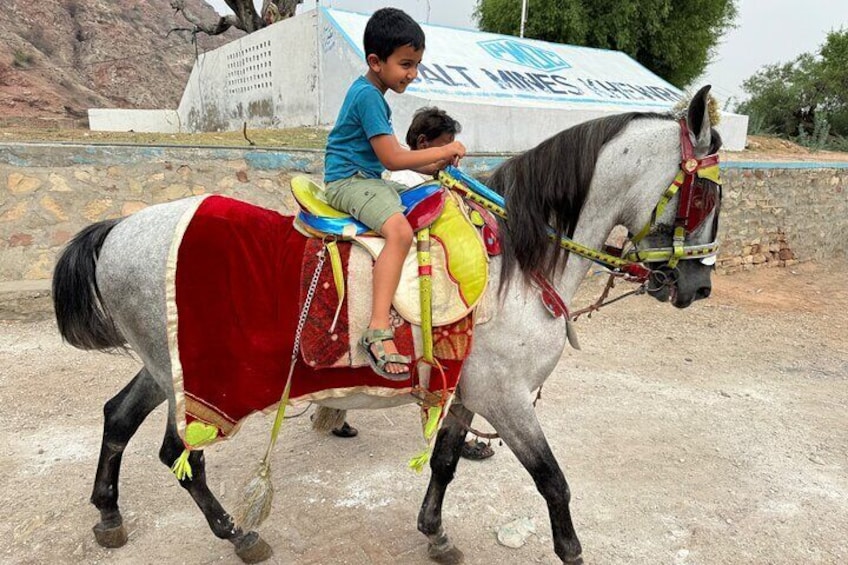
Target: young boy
(360,146)
(430,127)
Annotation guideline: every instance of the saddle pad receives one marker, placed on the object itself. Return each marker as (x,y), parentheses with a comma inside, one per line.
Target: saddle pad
(323,348)
(232,286)
(460,268)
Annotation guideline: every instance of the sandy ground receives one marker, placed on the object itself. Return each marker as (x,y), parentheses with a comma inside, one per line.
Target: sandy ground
(711,435)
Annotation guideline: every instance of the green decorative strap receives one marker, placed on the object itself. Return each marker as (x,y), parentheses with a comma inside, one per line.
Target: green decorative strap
(377,335)
(425,285)
(660,208)
(431,424)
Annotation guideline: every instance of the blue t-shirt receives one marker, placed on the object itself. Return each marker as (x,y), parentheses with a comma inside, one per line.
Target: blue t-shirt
(364,114)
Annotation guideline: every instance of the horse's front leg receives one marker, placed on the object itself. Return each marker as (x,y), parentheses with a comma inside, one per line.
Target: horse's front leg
(248,546)
(443,465)
(516,423)
(123,414)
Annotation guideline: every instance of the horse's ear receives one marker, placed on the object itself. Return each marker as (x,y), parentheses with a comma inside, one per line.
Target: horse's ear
(698,119)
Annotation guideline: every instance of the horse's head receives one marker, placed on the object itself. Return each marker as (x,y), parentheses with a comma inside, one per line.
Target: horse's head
(681,245)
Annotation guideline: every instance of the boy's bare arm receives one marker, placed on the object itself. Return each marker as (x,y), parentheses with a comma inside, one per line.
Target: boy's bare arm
(396,158)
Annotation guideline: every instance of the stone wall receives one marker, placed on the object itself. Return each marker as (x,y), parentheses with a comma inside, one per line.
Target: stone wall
(773,213)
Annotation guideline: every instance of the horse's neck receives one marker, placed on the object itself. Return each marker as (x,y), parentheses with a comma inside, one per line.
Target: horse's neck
(630,175)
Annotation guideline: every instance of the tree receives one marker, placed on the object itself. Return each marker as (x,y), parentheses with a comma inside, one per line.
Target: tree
(244,16)
(673,38)
(803,96)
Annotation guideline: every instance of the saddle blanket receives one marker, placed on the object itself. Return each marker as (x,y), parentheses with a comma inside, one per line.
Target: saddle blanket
(323,348)
(233,287)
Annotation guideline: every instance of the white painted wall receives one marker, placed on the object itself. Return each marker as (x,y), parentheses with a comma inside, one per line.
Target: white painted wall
(268,79)
(147,121)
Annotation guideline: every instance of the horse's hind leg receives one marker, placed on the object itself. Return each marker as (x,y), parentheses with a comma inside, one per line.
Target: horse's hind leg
(443,465)
(520,430)
(249,546)
(123,414)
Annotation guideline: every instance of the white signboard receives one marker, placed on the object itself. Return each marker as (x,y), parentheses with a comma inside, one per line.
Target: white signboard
(471,66)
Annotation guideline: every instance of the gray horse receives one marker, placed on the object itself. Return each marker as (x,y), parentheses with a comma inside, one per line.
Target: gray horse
(109,293)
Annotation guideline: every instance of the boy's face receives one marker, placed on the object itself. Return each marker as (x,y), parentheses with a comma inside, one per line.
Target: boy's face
(396,72)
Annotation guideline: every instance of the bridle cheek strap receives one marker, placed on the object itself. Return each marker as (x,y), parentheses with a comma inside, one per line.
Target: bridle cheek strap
(698,181)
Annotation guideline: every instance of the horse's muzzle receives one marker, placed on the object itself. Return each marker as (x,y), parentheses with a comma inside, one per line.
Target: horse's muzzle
(680,286)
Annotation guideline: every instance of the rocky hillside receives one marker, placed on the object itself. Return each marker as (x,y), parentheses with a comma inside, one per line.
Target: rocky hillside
(60,57)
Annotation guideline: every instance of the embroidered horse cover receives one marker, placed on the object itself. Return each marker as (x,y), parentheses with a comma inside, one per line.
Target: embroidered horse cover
(234,278)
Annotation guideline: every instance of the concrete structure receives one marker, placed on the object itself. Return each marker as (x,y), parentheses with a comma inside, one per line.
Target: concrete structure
(509,93)
(144,121)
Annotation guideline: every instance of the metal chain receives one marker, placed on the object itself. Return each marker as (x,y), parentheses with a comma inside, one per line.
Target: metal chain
(313,284)
(281,409)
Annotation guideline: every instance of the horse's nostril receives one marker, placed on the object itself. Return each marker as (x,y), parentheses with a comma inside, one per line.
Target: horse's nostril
(704,292)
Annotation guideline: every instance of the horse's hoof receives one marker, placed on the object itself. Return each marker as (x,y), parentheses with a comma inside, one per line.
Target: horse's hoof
(253,549)
(574,561)
(111,537)
(449,556)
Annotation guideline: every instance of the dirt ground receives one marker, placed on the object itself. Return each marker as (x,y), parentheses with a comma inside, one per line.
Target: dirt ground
(715,434)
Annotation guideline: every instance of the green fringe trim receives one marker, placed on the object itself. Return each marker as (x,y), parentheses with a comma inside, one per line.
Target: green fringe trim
(181,467)
(418,462)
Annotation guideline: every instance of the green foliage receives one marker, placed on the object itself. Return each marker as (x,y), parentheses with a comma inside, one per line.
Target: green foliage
(806,98)
(672,38)
(819,137)
(23,60)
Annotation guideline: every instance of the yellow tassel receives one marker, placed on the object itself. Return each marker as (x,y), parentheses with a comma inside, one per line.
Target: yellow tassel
(418,462)
(181,467)
(197,435)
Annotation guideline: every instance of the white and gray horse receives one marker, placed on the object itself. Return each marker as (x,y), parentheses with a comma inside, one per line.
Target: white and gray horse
(109,292)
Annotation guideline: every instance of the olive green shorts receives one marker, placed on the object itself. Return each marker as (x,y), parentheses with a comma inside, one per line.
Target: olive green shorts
(371,201)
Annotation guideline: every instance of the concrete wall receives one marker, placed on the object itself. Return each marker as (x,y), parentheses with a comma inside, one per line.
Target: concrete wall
(267,79)
(119,119)
(773,213)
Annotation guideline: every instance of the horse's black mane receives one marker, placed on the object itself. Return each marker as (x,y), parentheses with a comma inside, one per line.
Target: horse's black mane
(551,181)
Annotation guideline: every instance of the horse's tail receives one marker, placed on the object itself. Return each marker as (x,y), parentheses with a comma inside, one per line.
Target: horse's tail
(80,314)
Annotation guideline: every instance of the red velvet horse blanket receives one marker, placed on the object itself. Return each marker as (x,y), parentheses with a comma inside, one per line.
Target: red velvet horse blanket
(234,302)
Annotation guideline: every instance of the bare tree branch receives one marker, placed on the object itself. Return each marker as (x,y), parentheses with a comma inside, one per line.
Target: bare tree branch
(244,16)
(277,10)
(220,26)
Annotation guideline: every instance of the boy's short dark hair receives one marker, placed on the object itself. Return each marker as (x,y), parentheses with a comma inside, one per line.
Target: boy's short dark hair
(431,123)
(390,28)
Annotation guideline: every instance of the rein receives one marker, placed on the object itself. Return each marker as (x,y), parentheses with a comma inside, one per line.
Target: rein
(486,435)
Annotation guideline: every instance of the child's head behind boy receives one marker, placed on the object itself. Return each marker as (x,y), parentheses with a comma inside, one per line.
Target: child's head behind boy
(431,127)
(394,46)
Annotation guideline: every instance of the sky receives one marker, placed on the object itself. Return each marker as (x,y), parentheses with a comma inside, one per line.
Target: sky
(767,32)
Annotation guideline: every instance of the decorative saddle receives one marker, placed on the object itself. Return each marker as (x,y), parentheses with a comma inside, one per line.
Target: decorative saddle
(458,255)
